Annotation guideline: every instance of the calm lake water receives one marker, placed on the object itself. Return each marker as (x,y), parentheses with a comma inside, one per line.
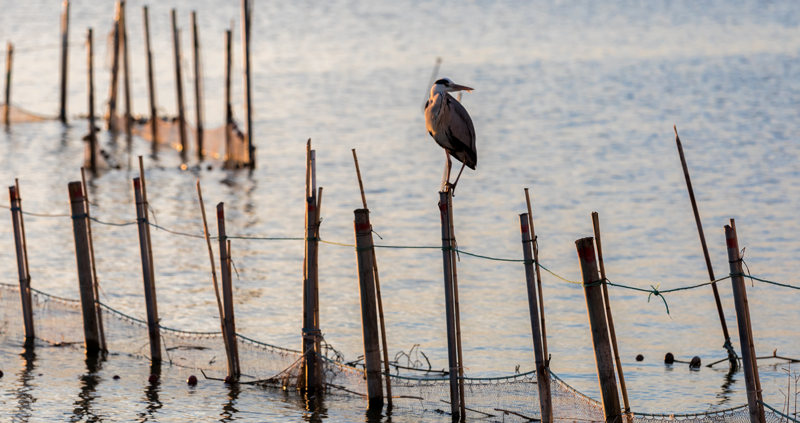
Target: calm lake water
(573,99)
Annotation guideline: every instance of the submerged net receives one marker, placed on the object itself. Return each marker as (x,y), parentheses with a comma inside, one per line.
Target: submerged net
(58,322)
(17,114)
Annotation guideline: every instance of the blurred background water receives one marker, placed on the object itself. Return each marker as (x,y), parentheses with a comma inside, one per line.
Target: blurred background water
(573,99)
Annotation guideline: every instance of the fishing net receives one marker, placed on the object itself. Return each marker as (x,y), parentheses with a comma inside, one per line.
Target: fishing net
(17,114)
(58,322)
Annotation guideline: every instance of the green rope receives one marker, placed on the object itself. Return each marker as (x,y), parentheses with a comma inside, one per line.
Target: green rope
(778,412)
(765,281)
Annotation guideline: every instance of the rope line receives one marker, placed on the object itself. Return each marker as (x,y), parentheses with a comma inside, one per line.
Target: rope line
(778,412)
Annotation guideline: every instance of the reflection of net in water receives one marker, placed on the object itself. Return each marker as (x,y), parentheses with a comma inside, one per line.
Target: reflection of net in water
(513,398)
(17,114)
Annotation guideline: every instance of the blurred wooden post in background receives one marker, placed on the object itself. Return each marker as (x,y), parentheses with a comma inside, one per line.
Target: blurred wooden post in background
(123,32)
(151,83)
(179,83)
(9,62)
(62,110)
(232,350)
(250,149)
(22,264)
(81,235)
(230,156)
(198,85)
(111,118)
(92,137)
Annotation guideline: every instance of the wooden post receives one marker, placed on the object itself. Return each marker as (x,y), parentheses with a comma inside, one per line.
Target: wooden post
(179,83)
(311,332)
(92,142)
(9,62)
(151,83)
(62,111)
(111,118)
(22,265)
(612,332)
(198,86)
(123,32)
(96,282)
(542,372)
(752,382)
(236,345)
(227,295)
(150,298)
(456,306)
(369,317)
(84,264)
(230,159)
(452,349)
(250,149)
(731,353)
(538,279)
(597,321)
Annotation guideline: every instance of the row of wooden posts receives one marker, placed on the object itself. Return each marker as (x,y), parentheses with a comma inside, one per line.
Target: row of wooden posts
(589,252)
(120,48)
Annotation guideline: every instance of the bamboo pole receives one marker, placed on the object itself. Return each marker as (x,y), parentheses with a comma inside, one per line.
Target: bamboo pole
(542,373)
(731,353)
(754,400)
(9,63)
(384,342)
(249,153)
(230,157)
(92,144)
(111,118)
(452,351)
(126,82)
(81,235)
(456,306)
(146,213)
(599,327)
(62,111)
(176,48)
(96,282)
(369,318)
(151,83)
(311,333)
(22,265)
(198,85)
(236,345)
(150,298)
(538,279)
(611,330)
(227,295)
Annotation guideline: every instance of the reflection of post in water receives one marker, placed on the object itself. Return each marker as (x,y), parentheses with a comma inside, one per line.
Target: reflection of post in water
(316,405)
(375,415)
(726,393)
(89,381)
(24,396)
(151,393)
(229,410)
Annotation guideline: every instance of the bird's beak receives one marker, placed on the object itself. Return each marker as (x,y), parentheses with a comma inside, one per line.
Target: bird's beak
(457,87)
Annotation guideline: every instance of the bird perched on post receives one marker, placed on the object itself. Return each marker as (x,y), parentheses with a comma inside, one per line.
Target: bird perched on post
(451,127)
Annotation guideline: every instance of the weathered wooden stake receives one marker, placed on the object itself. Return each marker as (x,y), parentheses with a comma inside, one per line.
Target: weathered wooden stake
(230,156)
(452,348)
(96,284)
(250,149)
(198,85)
(126,82)
(456,306)
(9,62)
(62,111)
(92,141)
(542,373)
(150,298)
(612,332)
(732,359)
(597,320)
(311,333)
(751,379)
(369,317)
(179,83)
(232,351)
(538,278)
(84,264)
(151,83)
(111,118)
(22,265)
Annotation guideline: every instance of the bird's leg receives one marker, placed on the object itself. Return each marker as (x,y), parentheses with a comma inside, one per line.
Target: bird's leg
(453,187)
(448,165)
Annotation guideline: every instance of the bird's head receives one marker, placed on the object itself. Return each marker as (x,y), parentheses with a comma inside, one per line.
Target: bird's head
(445,85)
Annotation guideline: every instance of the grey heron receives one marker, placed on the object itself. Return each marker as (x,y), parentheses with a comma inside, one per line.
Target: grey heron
(451,127)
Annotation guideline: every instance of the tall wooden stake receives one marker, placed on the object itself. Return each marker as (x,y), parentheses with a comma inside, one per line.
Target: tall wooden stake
(230,157)
(81,234)
(384,342)
(369,318)
(227,295)
(126,82)
(96,282)
(151,83)
(311,333)
(452,348)
(22,265)
(456,307)
(598,323)
(9,62)
(538,279)
(179,83)
(752,382)
(731,352)
(611,331)
(150,298)
(111,118)
(62,111)
(542,373)
(198,85)
(250,149)
(92,142)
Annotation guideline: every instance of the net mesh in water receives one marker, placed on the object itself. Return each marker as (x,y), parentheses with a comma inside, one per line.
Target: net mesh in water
(58,321)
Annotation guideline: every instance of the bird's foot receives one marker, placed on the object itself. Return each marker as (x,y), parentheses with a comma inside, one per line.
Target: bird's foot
(450,187)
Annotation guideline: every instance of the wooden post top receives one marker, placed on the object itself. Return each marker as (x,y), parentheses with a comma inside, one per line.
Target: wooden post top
(221,210)
(137,185)
(523,223)
(362,225)
(730,238)
(588,260)
(12,193)
(75,191)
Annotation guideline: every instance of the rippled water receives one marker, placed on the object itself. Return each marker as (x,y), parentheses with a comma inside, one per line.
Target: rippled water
(575,100)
